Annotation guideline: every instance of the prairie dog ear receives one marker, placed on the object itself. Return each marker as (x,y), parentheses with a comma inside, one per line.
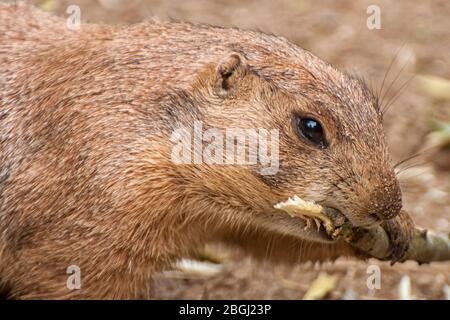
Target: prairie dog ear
(229,72)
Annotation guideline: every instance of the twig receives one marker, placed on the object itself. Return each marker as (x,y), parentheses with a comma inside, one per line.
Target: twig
(426,246)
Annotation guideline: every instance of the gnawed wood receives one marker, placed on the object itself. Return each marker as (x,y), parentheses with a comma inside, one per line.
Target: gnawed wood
(426,245)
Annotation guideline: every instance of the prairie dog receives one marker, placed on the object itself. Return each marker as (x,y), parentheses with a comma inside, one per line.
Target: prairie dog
(87,176)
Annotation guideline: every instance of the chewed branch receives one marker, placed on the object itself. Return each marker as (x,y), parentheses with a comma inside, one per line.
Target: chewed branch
(426,246)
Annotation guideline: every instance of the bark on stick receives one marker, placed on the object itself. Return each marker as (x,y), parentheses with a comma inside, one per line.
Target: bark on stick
(426,245)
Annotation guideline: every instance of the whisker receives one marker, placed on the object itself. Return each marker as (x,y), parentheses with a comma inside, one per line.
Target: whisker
(413,165)
(397,94)
(389,69)
(413,156)
(396,77)
(410,179)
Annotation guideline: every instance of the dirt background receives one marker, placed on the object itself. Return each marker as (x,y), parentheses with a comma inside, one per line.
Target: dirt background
(415,39)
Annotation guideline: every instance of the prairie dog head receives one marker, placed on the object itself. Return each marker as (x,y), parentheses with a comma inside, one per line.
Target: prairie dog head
(330,149)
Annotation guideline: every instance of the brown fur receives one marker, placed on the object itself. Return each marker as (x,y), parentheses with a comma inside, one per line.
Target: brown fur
(85,170)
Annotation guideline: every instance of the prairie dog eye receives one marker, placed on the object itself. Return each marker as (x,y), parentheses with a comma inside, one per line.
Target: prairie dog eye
(311,130)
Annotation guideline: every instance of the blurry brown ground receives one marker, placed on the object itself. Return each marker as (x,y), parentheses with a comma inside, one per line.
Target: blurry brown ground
(415,35)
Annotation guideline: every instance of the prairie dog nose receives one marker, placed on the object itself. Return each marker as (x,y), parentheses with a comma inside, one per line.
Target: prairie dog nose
(386,202)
